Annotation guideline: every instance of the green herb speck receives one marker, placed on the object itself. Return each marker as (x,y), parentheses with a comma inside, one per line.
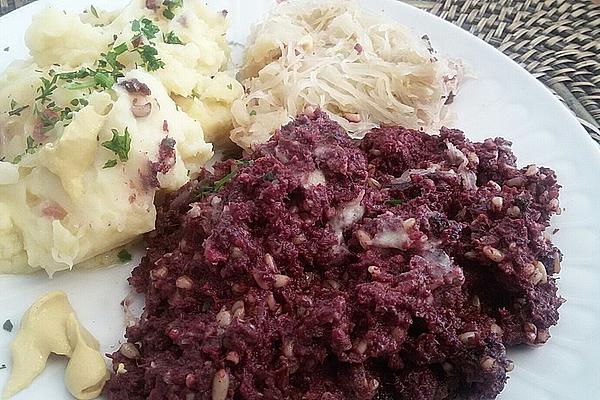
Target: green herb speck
(170,7)
(223,181)
(151,62)
(31,146)
(120,49)
(104,80)
(119,144)
(109,164)
(94,12)
(8,325)
(48,87)
(394,202)
(172,38)
(218,185)
(144,27)
(124,256)
(16,111)
(269,176)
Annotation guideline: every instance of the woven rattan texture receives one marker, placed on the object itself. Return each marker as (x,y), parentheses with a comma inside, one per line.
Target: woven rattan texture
(9,5)
(558,41)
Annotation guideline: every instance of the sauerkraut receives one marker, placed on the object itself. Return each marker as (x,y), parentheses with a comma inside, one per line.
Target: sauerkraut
(362,69)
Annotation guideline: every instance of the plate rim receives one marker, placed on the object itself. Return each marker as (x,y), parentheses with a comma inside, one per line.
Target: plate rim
(580,144)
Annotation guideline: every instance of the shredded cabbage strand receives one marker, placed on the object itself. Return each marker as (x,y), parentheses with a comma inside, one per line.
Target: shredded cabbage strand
(364,70)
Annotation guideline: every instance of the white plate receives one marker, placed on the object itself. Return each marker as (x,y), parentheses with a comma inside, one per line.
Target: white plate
(503,100)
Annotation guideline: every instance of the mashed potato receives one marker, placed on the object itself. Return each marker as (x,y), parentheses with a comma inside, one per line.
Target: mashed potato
(111,108)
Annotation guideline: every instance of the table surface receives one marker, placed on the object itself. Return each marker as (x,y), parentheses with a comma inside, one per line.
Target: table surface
(557,41)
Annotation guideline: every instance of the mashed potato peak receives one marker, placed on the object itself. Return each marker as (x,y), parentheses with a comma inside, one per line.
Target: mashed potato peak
(111,108)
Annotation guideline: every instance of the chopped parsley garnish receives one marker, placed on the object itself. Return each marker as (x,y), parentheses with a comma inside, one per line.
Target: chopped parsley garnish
(104,76)
(31,146)
(94,12)
(76,102)
(110,58)
(104,80)
(151,62)
(395,202)
(69,76)
(148,53)
(201,191)
(218,185)
(80,85)
(144,27)
(52,114)
(67,113)
(269,177)
(170,7)
(119,144)
(109,164)
(48,118)
(230,86)
(120,49)
(48,87)
(124,256)
(66,116)
(8,325)
(46,121)
(15,110)
(171,38)
(109,69)
(253,112)
(223,181)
